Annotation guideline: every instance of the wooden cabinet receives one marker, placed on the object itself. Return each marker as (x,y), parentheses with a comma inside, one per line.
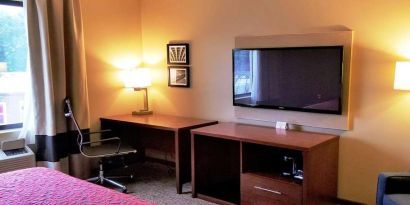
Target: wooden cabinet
(245,164)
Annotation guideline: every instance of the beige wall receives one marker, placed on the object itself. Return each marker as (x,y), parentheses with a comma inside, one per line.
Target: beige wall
(380,138)
(112,33)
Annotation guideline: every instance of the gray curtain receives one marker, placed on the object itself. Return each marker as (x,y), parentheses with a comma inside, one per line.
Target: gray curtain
(57,67)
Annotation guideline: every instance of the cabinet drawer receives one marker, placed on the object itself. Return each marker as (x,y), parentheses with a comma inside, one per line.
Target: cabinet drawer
(257,190)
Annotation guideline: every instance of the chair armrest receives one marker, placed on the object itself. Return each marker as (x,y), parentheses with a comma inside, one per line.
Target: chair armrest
(117,149)
(118,143)
(392,183)
(104,140)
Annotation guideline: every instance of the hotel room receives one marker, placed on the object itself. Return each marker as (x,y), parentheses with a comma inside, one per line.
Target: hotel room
(101,43)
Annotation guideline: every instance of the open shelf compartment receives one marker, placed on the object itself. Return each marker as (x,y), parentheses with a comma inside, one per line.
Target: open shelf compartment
(270,162)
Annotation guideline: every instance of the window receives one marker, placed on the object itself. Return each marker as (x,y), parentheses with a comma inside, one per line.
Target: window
(13,63)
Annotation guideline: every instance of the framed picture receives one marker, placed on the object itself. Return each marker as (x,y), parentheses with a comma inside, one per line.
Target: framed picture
(178,76)
(178,54)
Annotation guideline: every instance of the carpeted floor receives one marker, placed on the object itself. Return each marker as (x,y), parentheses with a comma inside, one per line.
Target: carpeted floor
(156,183)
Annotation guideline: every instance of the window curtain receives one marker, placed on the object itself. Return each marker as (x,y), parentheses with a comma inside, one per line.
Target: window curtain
(57,69)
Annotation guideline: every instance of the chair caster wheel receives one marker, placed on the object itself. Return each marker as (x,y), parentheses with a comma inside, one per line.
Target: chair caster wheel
(124,191)
(131,178)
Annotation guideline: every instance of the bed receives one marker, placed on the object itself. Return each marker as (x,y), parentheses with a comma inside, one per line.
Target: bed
(46,186)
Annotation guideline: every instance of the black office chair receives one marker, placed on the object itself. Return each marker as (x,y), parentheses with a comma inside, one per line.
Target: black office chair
(107,147)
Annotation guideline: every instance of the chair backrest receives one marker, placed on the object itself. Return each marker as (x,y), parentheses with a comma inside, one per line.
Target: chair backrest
(69,114)
(80,139)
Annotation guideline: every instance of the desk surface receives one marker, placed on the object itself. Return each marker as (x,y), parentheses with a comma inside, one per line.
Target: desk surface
(266,135)
(165,122)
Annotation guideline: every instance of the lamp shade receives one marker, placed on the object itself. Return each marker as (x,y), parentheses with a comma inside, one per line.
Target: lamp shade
(402,75)
(137,78)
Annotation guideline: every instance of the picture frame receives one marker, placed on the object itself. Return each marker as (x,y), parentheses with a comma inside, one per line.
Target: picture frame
(178,76)
(178,54)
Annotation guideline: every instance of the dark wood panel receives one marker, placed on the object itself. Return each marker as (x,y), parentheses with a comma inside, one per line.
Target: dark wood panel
(141,137)
(216,168)
(321,174)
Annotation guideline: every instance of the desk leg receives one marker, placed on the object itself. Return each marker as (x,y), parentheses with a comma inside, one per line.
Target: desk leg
(178,162)
(194,195)
(182,157)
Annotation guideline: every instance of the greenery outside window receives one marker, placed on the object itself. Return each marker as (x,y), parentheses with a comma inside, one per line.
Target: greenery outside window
(13,63)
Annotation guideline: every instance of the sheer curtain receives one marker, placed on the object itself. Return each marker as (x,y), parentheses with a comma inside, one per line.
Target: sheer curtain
(57,70)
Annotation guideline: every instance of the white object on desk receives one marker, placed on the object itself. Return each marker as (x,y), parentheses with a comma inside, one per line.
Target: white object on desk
(281,125)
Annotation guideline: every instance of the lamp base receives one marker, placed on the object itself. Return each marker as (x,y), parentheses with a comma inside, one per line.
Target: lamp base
(143,112)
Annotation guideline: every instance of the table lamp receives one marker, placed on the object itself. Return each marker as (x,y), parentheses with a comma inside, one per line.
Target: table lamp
(402,75)
(139,79)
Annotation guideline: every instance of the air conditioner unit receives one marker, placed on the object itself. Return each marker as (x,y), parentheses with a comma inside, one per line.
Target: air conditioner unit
(15,155)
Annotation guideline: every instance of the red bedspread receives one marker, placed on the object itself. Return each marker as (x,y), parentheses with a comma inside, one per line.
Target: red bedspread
(46,186)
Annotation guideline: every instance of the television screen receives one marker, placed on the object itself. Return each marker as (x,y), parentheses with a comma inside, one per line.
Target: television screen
(292,78)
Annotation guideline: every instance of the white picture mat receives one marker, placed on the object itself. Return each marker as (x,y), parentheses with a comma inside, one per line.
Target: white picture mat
(177,54)
(178,76)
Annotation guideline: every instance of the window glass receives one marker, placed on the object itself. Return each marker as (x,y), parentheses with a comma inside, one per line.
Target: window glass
(13,63)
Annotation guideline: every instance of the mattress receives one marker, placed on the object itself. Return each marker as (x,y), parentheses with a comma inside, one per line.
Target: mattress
(46,186)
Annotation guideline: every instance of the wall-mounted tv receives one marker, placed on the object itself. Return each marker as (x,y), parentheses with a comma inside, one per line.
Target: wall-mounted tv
(305,79)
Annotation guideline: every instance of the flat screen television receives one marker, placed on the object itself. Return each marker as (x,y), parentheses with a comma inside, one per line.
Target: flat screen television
(307,79)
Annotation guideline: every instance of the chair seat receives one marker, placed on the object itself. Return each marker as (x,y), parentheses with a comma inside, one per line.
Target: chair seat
(396,199)
(107,149)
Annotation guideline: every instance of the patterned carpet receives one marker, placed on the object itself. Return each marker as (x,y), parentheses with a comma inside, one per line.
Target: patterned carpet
(156,183)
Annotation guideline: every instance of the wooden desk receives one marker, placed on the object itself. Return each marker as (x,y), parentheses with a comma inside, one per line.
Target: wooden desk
(244,164)
(163,132)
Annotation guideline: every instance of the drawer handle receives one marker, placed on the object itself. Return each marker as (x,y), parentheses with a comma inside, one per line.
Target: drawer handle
(268,190)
